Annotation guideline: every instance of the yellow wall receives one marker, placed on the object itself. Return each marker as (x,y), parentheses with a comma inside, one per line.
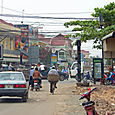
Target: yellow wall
(8,43)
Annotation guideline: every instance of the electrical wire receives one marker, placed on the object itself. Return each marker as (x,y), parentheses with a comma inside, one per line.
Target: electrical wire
(47,12)
(34,22)
(41,17)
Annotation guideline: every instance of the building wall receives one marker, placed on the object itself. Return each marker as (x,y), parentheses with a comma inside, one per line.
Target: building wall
(109,44)
(8,43)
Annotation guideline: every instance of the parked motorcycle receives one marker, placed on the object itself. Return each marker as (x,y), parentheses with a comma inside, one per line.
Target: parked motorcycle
(89,105)
(108,80)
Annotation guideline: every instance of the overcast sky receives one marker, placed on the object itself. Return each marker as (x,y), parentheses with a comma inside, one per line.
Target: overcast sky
(46,6)
(54,8)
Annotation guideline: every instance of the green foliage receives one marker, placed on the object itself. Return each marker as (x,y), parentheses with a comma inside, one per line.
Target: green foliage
(91,29)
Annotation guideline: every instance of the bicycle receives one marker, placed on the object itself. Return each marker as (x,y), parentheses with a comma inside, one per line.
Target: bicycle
(52,87)
(89,105)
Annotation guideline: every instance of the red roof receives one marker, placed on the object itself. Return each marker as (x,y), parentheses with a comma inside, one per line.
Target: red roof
(4,22)
(47,40)
(58,40)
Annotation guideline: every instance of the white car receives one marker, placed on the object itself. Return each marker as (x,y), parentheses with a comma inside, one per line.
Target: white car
(13,83)
(74,69)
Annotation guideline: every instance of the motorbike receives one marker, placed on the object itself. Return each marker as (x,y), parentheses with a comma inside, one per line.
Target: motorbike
(36,84)
(89,105)
(108,80)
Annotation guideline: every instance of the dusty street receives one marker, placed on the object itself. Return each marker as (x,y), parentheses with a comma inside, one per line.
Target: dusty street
(63,102)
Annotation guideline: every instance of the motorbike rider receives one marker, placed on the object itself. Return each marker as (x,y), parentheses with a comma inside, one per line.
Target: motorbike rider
(31,75)
(37,75)
(53,77)
(64,70)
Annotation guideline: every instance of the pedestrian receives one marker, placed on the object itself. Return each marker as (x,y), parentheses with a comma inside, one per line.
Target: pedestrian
(88,75)
(53,78)
(11,67)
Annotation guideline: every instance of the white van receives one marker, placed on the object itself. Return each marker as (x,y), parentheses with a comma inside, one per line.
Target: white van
(74,69)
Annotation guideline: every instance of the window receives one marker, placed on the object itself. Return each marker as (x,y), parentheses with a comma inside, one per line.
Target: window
(61,55)
(11,76)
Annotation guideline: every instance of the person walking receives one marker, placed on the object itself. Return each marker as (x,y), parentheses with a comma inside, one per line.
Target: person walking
(53,78)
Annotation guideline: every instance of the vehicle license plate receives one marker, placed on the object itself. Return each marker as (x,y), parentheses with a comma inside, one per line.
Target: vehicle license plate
(35,83)
(8,86)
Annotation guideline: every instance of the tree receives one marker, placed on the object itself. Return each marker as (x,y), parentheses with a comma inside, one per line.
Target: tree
(92,29)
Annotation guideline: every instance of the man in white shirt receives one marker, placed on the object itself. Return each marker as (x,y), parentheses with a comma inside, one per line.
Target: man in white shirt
(31,75)
(42,67)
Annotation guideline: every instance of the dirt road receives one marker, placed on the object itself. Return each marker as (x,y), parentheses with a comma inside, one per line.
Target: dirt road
(63,102)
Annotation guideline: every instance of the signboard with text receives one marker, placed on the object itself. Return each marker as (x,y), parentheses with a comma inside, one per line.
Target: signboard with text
(97,68)
(53,58)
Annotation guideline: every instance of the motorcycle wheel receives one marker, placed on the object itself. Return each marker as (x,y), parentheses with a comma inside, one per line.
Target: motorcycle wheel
(107,82)
(61,78)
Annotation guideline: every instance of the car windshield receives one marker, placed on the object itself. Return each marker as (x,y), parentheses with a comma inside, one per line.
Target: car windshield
(11,76)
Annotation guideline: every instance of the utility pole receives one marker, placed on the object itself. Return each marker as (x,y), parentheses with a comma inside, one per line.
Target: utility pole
(79,59)
(102,69)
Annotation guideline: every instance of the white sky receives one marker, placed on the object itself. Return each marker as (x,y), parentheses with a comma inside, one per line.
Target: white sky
(40,6)
(35,7)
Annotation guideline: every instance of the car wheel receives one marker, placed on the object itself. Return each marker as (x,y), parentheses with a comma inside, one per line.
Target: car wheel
(61,78)
(24,98)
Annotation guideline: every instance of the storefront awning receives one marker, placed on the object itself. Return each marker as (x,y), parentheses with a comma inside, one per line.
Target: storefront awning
(7,28)
(13,60)
(109,45)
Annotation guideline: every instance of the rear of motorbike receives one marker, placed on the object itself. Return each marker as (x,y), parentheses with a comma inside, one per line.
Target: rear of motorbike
(89,108)
(36,85)
(89,105)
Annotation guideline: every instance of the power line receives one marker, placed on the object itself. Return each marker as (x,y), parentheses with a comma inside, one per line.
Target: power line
(63,13)
(57,32)
(34,22)
(46,12)
(38,17)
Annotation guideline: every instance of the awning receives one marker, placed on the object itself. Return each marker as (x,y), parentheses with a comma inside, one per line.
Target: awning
(109,35)
(13,60)
(6,28)
(109,45)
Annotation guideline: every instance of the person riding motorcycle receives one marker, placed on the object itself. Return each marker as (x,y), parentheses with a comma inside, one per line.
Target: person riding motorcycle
(64,70)
(31,75)
(37,75)
(53,77)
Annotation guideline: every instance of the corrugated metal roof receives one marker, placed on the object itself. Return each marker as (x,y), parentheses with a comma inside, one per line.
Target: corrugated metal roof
(109,35)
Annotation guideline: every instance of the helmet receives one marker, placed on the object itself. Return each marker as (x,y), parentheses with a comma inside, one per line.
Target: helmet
(32,67)
(53,67)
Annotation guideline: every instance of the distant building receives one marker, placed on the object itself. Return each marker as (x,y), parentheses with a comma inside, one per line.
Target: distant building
(7,40)
(61,45)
